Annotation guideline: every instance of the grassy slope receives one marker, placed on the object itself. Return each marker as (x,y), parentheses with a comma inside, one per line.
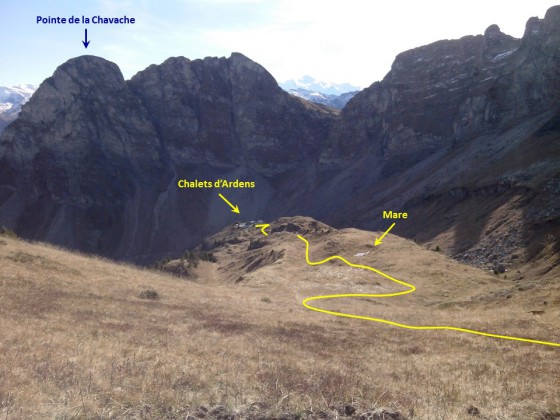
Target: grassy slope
(77,341)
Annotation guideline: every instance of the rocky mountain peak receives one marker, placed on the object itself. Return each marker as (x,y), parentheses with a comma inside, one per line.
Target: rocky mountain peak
(79,78)
(551,27)
(493,31)
(89,70)
(250,75)
(544,34)
(533,28)
(498,46)
(552,19)
(496,42)
(227,112)
(242,63)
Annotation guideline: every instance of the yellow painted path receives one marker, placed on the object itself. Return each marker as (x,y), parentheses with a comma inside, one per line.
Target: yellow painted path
(410,289)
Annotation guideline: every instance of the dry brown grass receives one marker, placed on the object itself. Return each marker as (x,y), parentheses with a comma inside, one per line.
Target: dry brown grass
(78,342)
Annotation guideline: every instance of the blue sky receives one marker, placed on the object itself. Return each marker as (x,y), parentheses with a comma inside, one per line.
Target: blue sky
(339,41)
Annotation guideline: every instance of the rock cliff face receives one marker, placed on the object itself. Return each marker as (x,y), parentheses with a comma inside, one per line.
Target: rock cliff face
(462,134)
(450,91)
(457,131)
(228,113)
(93,161)
(81,153)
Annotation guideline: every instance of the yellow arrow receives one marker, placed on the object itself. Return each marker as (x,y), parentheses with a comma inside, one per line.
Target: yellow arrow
(263,227)
(235,208)
(378,241)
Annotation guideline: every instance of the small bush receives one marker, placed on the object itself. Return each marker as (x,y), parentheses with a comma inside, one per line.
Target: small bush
(266,300)
(159,264)
(208,256)
(23,257)
(473,411)
(216,243)
(9,233)
(437,249)
(191,258)
(149,294)
(256,244)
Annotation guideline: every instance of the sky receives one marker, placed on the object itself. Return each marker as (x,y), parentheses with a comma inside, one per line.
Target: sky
(352,41)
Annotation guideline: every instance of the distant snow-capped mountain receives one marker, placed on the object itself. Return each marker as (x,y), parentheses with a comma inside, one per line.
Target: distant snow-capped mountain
(334,101)
(11,101)
(328,88)
(335,95)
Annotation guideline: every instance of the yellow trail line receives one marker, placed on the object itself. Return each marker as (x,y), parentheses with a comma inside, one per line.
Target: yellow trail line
(411,288)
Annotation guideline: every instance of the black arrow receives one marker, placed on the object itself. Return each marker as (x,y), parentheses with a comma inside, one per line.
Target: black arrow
(86,42)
